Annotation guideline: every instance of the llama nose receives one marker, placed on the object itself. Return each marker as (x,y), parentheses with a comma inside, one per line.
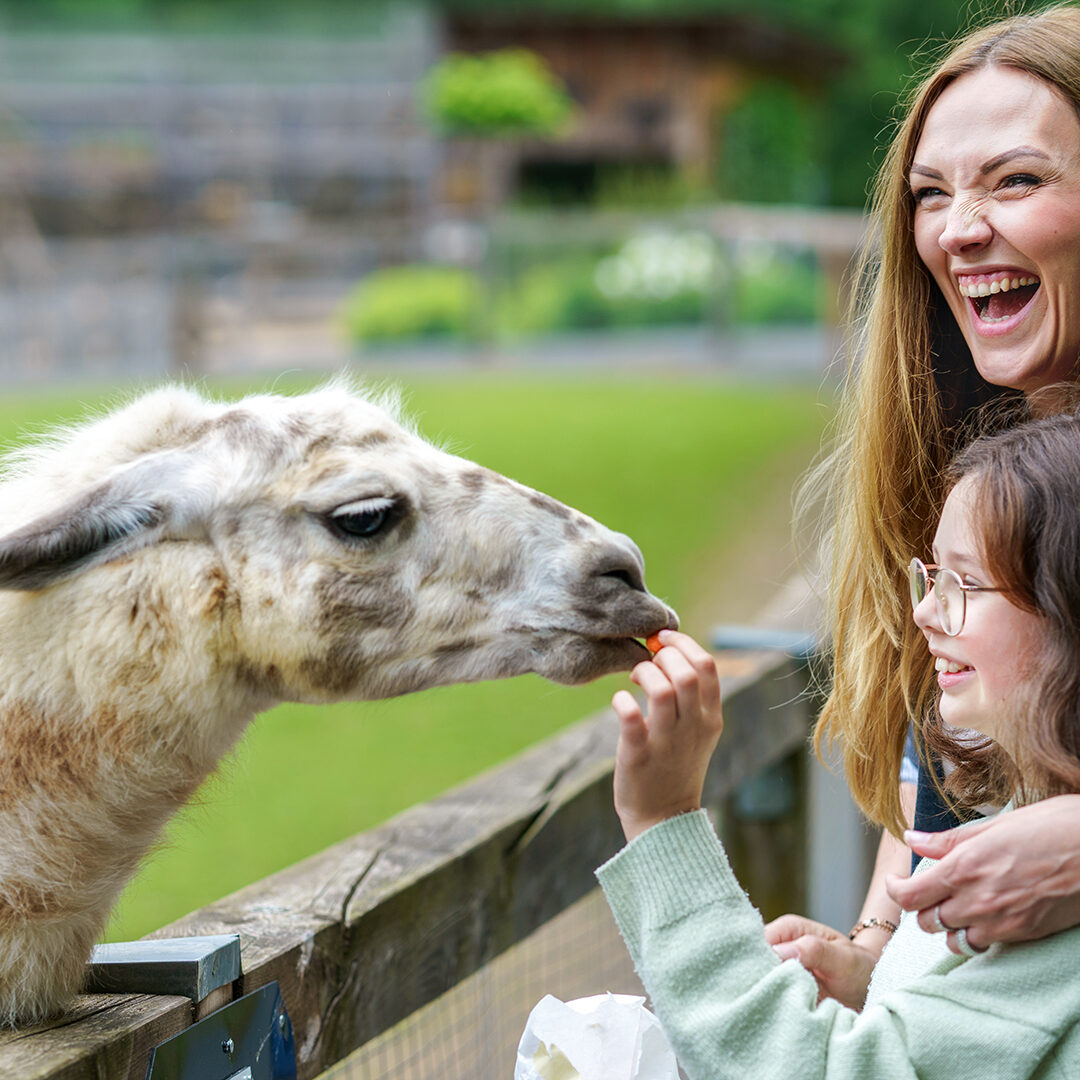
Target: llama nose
(622,560)
(617,570)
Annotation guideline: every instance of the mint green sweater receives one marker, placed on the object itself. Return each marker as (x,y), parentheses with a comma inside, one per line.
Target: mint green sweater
(733,1010)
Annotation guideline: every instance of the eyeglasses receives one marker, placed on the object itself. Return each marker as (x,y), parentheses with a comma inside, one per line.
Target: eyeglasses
(950,592)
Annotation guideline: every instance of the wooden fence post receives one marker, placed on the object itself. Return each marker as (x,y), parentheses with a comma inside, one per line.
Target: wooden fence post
(763,825)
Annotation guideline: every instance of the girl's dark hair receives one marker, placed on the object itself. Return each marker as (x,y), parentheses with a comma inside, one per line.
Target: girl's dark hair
(1027,511)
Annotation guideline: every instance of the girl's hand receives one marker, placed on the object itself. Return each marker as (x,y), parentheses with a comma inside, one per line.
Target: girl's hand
(1015,877)
(842,967)
(661,759)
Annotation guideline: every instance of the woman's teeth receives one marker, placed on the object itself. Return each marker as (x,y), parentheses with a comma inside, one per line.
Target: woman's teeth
(949,666)
(989,288)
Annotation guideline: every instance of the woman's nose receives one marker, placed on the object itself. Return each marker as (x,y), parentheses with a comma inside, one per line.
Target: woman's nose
(965,228)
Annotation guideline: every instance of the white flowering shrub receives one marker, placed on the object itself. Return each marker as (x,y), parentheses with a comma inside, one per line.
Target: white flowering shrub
(659,265)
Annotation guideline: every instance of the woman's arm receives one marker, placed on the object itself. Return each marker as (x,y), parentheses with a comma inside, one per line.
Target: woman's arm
(1015,877)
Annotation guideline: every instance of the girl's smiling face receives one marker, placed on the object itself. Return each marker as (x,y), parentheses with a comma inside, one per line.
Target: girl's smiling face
(988,664)
(996,184)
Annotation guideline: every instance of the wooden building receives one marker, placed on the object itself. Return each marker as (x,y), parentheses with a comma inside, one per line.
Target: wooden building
(650,91)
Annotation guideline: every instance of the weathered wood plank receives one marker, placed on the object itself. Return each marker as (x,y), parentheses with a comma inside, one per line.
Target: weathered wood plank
(363,934)
(103,1037)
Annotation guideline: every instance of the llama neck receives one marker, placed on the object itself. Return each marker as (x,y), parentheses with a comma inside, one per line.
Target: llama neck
(83,797)
(118,683)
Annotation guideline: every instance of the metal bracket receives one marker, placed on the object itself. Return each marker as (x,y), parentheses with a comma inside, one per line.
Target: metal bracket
(798,644)
(188,967)
(250,1039)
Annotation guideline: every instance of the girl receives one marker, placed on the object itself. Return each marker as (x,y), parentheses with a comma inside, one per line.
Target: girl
(998,607)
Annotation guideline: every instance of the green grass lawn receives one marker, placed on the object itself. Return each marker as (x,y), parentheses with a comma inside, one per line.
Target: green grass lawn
(686,467)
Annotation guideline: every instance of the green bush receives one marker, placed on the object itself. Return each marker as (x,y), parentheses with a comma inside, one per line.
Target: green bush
(509,92)
(551,296)
(771,147)
(655,278)
(775,287)
(413,301)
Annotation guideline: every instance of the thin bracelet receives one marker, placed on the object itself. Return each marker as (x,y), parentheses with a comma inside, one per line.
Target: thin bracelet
(872,924)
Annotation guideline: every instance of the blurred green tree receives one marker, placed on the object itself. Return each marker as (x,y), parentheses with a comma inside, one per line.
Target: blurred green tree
(772,146)
(504,93)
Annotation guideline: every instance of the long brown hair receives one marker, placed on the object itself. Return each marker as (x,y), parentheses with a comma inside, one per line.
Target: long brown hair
(905,414)
(1026,515)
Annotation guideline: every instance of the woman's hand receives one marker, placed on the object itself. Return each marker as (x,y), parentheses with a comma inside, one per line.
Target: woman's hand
(661,759)
(842,967)
(1015,877)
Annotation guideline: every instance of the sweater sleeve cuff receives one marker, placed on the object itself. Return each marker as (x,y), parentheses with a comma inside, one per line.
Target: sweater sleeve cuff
(647,883)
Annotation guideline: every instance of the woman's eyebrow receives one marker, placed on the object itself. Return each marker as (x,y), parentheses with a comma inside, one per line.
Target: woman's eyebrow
(989,166)
(1009,155)
(923,170)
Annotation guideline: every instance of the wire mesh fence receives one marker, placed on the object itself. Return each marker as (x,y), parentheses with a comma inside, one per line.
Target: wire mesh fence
(472,1031)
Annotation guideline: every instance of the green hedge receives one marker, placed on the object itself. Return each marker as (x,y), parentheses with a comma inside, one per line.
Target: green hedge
(655,278)
(418,301)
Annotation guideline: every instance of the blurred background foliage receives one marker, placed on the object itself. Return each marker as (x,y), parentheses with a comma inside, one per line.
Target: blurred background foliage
(786,146)
(656,277)
(782,146)
(334,172)
(506,92)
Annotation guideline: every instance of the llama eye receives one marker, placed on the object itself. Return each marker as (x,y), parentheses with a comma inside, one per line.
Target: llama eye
(365,518)
(365,524)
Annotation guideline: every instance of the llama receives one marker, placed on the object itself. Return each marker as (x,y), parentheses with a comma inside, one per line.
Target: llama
(174,568)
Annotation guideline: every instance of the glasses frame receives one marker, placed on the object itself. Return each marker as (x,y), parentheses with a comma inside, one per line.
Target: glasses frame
(918,570)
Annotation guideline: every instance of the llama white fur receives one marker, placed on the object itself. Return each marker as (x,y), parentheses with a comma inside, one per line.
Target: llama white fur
(174,568)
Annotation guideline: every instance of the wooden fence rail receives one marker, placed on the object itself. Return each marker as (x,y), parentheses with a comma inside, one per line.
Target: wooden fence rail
(365,933)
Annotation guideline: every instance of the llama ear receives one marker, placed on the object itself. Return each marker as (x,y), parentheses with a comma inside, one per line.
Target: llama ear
(130,511)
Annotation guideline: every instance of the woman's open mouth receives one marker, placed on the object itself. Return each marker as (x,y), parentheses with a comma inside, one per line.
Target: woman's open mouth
(999,301)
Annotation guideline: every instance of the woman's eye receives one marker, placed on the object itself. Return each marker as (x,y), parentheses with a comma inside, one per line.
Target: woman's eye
(1020,180)
(927,195)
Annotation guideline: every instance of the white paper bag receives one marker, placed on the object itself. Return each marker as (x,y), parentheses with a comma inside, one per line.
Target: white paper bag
(606,1037)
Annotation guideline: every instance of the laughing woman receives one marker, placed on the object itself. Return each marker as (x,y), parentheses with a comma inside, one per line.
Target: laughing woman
(974,298)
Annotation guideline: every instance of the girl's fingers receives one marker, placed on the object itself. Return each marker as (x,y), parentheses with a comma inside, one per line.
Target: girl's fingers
(789,927)
(625,705)
(702,663)
(661,694)
(633,732)
(681,684)
(686,645)
(683,679)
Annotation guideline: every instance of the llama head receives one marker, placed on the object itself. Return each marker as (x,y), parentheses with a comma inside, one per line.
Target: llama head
(314,547)
(173,568)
